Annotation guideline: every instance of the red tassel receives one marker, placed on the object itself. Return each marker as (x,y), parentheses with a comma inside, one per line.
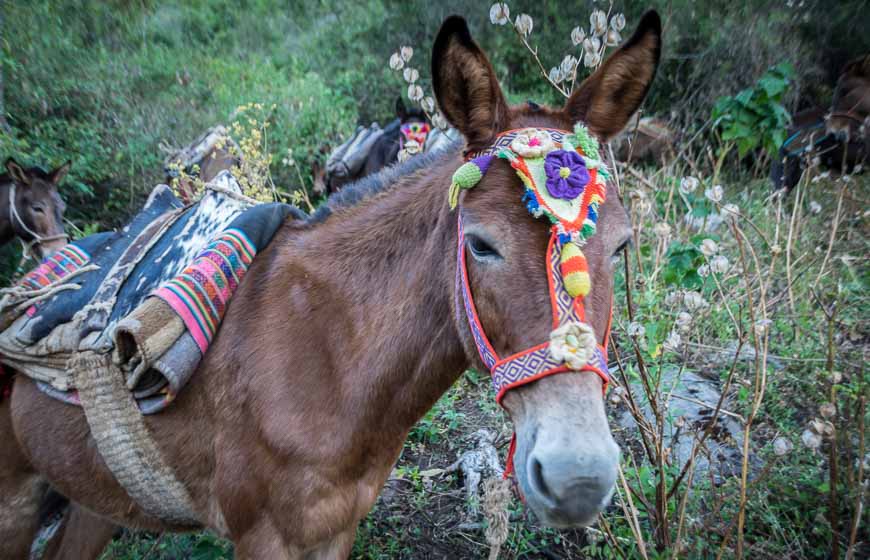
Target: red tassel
(509,464)
(509,468)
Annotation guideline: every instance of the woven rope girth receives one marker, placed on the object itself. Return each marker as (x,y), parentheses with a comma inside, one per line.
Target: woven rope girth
(125,443)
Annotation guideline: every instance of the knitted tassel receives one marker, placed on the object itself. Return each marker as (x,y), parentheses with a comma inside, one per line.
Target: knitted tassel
(468,175)
(575,271)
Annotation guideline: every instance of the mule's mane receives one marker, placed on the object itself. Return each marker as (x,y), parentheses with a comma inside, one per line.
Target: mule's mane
(365,188)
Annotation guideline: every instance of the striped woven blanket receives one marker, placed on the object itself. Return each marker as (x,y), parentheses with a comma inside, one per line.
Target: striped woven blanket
(200,294)
(153,294)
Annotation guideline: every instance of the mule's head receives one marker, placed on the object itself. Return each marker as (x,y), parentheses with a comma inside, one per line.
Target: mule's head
(38,208)
(566,459)
(849,119)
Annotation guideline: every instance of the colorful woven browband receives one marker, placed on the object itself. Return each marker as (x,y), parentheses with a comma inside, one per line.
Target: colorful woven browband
(505,139)
(201,292)
(416,131)
(564,181)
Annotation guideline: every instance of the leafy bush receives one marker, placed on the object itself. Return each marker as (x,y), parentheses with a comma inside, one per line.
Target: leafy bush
(756,116)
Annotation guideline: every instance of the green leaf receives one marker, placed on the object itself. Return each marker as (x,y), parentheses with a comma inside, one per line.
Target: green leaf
(681,262)
(745,145)
(785,69)
(737,131)
(783,117)
(700,210)
(778,137)
(692,280)
(744,97)
(646,250)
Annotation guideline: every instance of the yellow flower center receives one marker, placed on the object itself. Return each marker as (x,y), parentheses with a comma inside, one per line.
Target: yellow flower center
(564,172)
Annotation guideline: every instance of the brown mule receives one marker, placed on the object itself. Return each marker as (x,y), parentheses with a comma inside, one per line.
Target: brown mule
(849,119)
(839,137)
(31,209)
(346,331)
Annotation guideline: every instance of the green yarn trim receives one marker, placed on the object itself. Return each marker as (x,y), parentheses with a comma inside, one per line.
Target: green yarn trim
(508,154)
(453,196)
(585,140)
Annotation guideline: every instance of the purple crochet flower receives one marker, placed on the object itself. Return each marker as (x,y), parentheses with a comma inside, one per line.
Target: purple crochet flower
(566,174)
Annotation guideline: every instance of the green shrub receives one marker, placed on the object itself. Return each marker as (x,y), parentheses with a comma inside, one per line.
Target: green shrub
(756,116)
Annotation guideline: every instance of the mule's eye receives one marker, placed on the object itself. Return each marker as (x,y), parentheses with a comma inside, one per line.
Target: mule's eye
(480,248)
(38,209)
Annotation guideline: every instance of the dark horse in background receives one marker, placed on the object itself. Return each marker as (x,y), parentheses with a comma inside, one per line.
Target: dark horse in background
(31,208)
(409,124)
(840,137)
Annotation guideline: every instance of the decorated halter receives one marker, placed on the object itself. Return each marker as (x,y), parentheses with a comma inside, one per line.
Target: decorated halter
(416,131)
(564,181)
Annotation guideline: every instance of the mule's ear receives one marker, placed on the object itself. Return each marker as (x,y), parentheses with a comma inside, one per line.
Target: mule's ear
(401,111)
(606,100)
(17,172)
(465,85)
(58,174)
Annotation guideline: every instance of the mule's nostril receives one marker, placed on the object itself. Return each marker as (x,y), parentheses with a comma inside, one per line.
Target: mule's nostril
(538,482)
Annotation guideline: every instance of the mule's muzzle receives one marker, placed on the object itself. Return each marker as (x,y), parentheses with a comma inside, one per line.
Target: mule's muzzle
(568,484)
(48,248)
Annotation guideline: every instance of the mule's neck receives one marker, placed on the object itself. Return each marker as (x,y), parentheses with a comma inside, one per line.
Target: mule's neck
(395,260)
(361,308)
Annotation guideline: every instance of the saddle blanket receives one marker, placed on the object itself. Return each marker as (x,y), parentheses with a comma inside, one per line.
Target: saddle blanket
(152,294)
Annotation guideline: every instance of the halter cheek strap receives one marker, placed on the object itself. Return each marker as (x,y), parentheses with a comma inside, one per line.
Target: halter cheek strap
(536,362)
